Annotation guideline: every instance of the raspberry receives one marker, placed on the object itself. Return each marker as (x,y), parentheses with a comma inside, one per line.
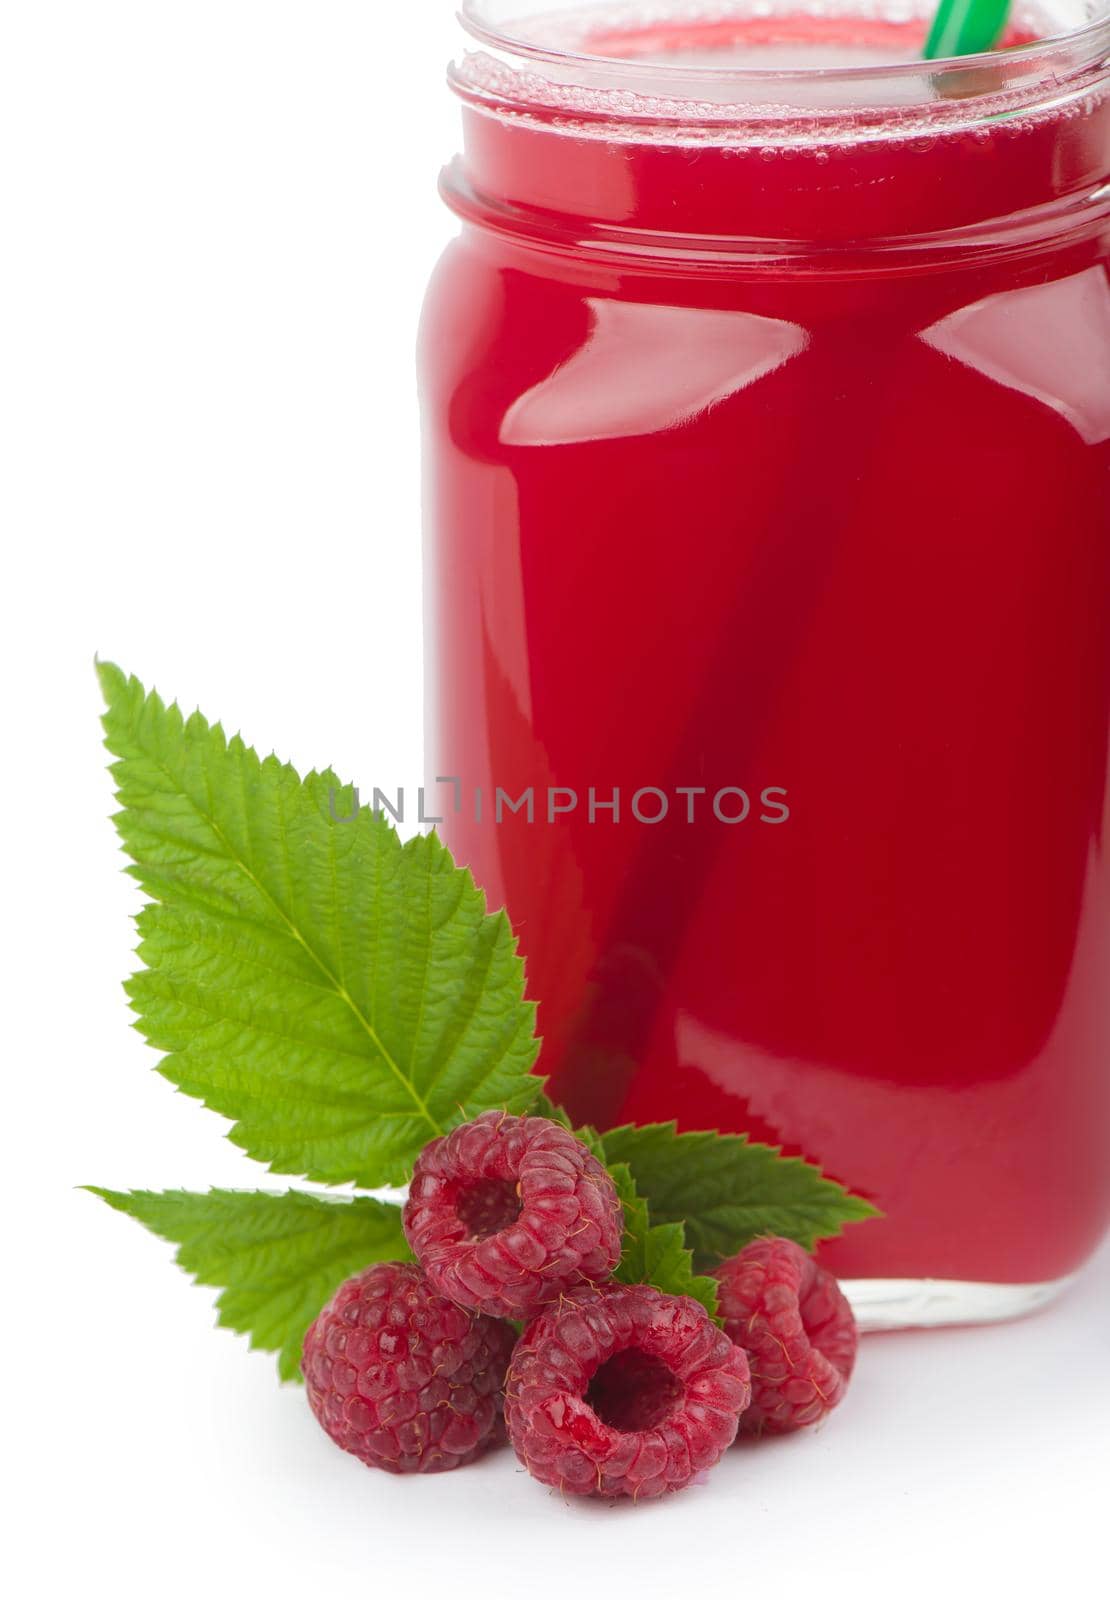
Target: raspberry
(624,1391)
(797,1328)
(505,1213)
(402,1378)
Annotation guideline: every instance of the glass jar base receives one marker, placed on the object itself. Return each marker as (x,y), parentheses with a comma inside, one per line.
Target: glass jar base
(882,1304)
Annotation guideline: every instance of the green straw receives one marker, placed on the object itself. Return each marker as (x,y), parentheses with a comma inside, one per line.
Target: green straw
(966,27)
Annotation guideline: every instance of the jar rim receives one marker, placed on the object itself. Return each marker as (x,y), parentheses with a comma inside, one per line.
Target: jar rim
(1032,125)
(1085,46)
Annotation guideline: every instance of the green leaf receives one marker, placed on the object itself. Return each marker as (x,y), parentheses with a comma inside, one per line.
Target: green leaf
(277,1257)
(341,997)
(657,1253)
(728,1191)
(650,1253)
(547,1108)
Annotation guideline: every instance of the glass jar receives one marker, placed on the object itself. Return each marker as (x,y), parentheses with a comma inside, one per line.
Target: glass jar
(767,420)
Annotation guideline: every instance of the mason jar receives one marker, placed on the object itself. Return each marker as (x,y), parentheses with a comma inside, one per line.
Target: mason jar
(766,395)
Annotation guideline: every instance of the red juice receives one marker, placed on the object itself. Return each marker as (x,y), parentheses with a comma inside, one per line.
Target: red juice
(768,476)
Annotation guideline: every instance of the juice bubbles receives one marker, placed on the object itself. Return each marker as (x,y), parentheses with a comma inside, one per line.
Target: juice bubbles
(768,484)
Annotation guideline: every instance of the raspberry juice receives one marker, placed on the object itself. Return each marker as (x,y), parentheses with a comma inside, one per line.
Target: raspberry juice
(767,417)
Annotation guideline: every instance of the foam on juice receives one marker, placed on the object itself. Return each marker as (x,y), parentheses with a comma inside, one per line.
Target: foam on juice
(697,47)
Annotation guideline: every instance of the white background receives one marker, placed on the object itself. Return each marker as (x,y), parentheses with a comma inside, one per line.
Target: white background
(217,220)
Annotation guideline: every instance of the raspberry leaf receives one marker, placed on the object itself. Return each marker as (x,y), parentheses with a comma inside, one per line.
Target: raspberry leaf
(727,1190)
(277,1257)
(651,1253)
(656,1253)
(547,1108)
(341,997)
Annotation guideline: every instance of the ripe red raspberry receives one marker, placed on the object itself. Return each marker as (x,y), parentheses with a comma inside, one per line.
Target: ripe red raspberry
(797,1328)
(624,1391)
(402,1378)
(505,1213)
